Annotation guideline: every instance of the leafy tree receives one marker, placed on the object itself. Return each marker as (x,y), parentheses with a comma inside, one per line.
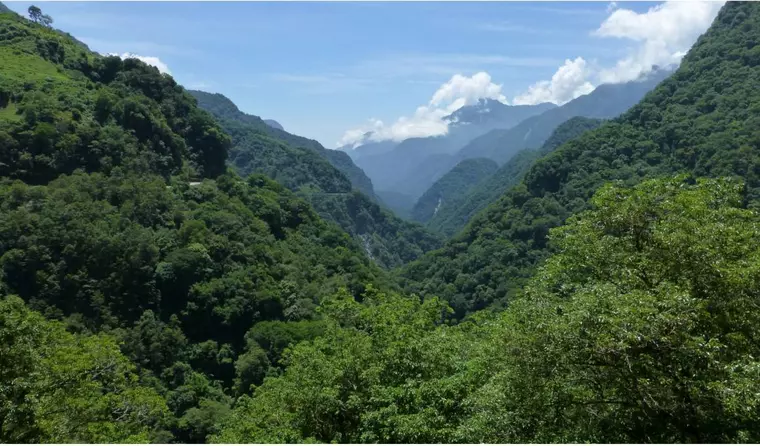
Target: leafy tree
(35,13)
(382,372)
(640,329)
(56,387)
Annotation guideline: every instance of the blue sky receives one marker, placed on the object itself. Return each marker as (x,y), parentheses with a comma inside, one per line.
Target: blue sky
(321,69)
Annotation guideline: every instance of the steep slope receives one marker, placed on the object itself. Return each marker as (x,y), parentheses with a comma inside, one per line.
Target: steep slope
(451,186)
(606,101)
(399,203)
(457,212)
(223,108)
(386,239)
(255,149)
(702,119)
(414,164)
(118,216)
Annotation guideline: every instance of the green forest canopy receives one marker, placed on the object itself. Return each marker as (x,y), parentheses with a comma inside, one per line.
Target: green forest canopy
(149,294)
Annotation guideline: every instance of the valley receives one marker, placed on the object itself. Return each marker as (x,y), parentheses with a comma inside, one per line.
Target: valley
(174,269)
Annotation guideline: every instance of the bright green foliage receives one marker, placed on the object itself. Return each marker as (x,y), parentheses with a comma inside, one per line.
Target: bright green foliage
(455,184)
(382,372)
(56,387)
(74,109)
(702,119)
(457,212)
(643,328)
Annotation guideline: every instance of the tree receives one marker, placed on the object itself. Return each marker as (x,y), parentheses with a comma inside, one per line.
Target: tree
(642,328)
(35,14)
(46,20)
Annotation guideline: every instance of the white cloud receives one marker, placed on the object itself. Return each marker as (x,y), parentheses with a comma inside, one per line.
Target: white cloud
(428,120)
(569,82)
(150,60)
(665,32)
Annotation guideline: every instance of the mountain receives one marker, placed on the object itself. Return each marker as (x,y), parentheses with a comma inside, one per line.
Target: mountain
(223,108)
(120,221)
(413,165)
(455,213)
(274,124)
(606,101)
(456,183)
(702,119)
(399,203)
(306,169)
(4,9)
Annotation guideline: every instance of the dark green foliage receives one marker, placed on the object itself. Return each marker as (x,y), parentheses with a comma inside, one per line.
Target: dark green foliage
(456,213)
(226,111)
(302,165)
(106,225)
(642,328)
(386,239)
(456,183)
(702,119)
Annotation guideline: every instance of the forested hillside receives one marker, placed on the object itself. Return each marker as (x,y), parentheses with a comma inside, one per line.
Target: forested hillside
(451,186)
(702,119)
(119,219)
(151,294)
(302,165)
(228,113)
(642,329)
(455,213)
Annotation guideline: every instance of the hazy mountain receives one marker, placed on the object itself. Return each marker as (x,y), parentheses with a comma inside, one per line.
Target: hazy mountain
(413,165)
(399,203)
(701,120)
(606,101)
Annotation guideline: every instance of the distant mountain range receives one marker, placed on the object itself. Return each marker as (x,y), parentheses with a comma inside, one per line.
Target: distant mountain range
(488,129)
(405,167)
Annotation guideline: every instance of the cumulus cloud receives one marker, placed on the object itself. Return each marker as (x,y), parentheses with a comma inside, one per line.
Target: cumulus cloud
(428,120)
(569,82)
(665,33)
(150,60)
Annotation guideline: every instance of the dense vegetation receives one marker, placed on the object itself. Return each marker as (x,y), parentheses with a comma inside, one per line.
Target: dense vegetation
(231,117)
(149,294)
(302,165)
(455,184)
(455,213)
(643,329)
(118,218)
(702,119)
